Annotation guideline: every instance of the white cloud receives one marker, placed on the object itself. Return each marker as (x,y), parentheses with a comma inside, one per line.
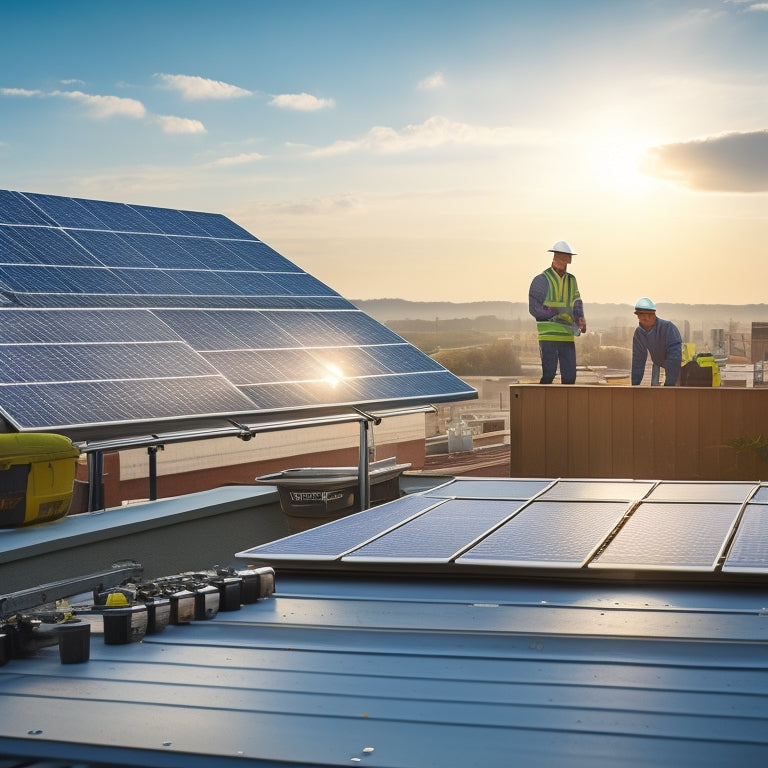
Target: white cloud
(435,132)
(171,124)
(729,162)
(19,92)
(195,88)
(72,81)
(434,82)
(242,159)
(301,102)
(106,106)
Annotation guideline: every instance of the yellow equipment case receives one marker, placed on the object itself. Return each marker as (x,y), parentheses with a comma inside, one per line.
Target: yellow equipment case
(37,473)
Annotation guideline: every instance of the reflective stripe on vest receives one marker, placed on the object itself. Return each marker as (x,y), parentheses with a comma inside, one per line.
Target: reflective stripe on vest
(562,293)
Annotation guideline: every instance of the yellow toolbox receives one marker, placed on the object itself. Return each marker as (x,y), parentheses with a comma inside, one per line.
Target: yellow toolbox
(37,473)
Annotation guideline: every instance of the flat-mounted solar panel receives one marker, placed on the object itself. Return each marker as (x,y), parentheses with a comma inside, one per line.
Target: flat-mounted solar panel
(597,490)
(549,534)
(438,535)
(671,536)
(749,551)
(333,540)
(290,342)
(668,490)
(489,488)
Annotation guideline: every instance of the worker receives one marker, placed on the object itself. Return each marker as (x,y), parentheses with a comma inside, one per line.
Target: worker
(659,338)
(555,303)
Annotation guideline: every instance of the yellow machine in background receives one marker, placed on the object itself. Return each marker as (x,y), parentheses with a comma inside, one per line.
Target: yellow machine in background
(698,370)
(37,474)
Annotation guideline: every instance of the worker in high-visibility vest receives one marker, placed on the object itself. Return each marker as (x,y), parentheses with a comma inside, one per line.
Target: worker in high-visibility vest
(555,303)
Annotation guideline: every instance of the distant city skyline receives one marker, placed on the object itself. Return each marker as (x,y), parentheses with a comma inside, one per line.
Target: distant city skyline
(424,150)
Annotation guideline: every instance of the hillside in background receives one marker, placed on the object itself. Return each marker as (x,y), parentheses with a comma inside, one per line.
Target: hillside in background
(599,316)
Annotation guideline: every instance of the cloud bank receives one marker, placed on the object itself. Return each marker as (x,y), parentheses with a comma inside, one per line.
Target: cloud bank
(729,162)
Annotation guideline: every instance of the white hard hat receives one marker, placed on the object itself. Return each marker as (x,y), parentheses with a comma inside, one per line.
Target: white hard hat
(645,304)
(562,247)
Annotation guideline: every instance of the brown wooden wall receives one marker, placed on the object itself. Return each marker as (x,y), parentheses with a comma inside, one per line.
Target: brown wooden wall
(659,433)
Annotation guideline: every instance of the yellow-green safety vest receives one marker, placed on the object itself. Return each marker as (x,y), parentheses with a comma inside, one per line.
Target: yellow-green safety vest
(562,293)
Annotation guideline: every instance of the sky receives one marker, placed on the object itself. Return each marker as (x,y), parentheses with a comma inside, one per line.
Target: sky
(429,151)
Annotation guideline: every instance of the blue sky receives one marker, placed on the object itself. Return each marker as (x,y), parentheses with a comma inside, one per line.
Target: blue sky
(420,150)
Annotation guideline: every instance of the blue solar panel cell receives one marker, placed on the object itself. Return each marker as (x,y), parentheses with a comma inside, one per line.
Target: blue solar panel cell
(61,406)
(15,208)
(153,282)
(13,251)
(67,212)
(671,536)
(227,330)
(299,285)
(39,326)
(749,551)
(170,221)
(669,490)
(401,358)
(597,490)
(111,249)
(216,225)
(93,362)
(485,488)
(119,217)
(549,534)
(439,535)
(333,540)
(260,256)
(50,246)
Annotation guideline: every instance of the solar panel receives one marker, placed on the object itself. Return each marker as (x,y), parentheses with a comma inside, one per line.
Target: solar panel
(210,293)
(333,540)
(671,536)
(476,525)
(597,490)
(749,551)
(489,488)
(549,534)
(669,490)
(438,535)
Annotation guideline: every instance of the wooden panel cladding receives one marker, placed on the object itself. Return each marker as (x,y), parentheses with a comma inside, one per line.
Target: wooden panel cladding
(660,433)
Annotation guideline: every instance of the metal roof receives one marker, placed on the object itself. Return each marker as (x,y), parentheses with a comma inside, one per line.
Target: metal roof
(413,674)
(401,668)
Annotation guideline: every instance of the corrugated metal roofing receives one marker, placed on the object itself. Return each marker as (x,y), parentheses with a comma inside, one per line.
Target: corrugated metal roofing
(409,668)
(413,674)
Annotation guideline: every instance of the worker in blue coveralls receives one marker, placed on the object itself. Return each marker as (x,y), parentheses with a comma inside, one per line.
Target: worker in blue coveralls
(554,302)
(659,338)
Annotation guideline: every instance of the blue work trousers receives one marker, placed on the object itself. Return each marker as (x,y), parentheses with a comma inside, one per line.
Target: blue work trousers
(553,352)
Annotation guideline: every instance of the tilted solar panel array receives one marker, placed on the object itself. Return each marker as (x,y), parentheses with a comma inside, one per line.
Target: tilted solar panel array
(587,527)
(129,316)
